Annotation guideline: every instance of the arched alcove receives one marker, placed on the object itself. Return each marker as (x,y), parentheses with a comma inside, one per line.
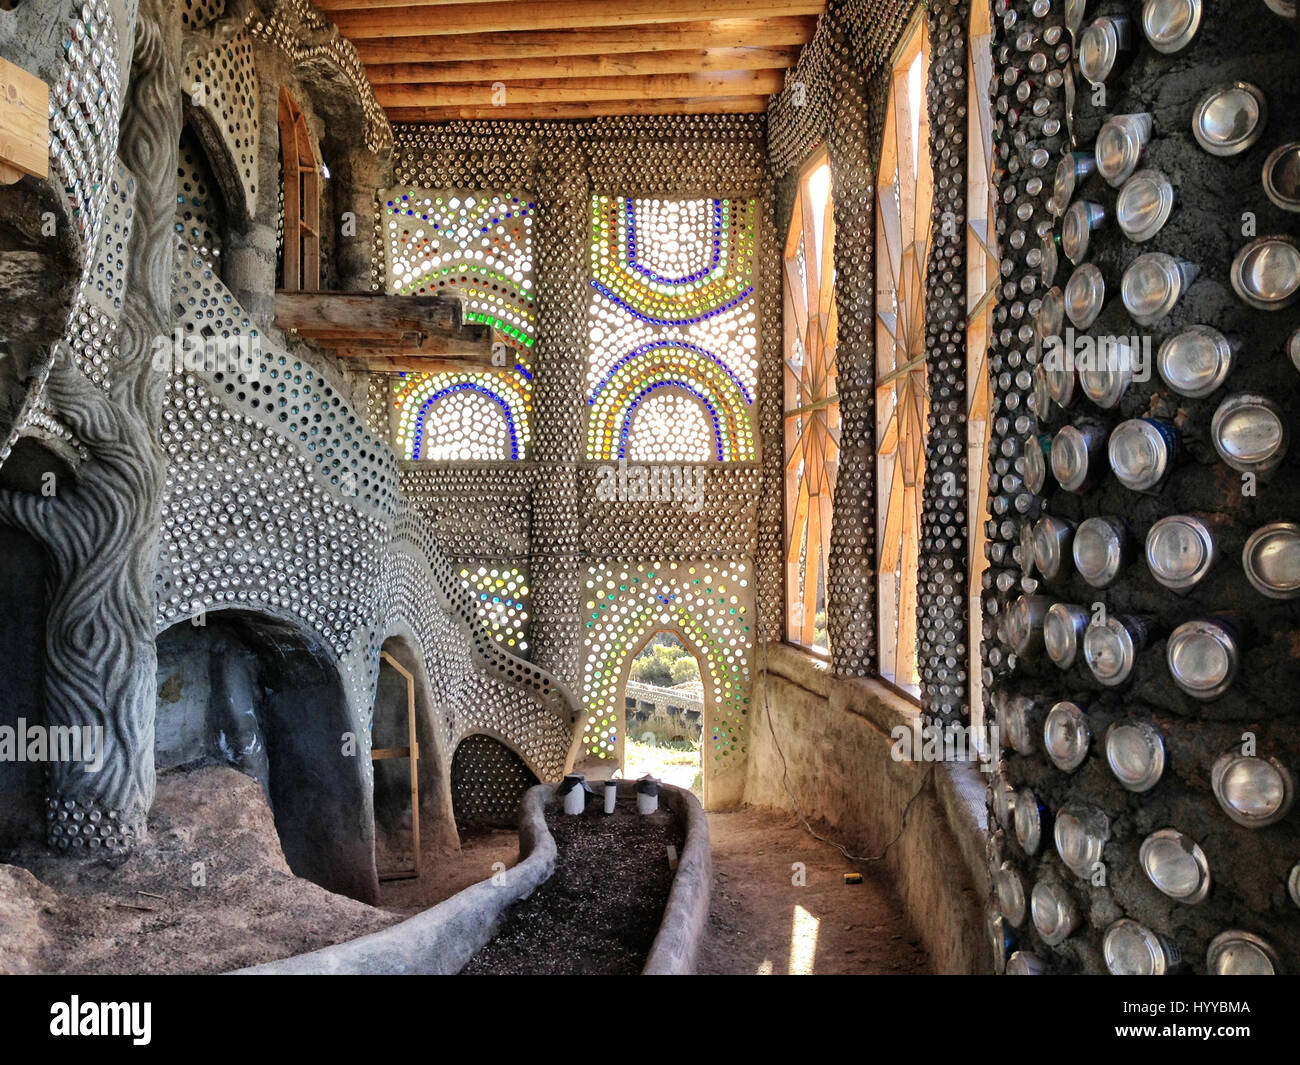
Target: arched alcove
(707,607)
(257,693)
(488,779)
(402,685)
(201,219)
(671,425)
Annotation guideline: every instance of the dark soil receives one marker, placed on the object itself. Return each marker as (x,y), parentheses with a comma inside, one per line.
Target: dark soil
(599,913)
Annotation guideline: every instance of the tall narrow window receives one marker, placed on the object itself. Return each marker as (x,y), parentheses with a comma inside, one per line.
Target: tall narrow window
(301,172)
(981,291)
(903,197)
(812,409)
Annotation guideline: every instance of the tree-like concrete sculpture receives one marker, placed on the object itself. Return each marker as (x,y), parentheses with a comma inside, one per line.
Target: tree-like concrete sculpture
(101,531)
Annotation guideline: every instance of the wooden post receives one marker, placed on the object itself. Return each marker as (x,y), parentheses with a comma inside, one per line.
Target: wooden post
(411,752)
(24,124)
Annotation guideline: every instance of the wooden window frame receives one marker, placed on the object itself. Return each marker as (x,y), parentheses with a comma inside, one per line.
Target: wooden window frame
(981,293)
(302,177)
(810,409)
(902,399)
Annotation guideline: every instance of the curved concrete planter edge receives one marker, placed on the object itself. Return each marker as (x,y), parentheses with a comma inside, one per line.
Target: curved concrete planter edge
(442,939)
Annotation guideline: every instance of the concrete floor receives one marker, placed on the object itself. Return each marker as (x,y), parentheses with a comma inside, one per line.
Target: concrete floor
(762,923)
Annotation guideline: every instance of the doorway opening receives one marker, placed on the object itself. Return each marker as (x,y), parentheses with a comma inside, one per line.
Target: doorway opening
(664,709)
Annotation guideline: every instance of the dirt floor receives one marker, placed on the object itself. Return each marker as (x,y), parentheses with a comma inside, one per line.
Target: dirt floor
(600,912)
(762,923)
(149,915)
(445,871)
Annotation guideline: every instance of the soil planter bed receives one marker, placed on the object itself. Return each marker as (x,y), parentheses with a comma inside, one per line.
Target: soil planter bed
(600,911)
(612,905)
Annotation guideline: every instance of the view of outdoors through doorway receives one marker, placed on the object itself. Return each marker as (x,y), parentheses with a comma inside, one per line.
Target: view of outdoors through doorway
(664,703)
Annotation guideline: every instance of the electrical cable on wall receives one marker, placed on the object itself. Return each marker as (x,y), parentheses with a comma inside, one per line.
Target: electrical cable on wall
(794,802)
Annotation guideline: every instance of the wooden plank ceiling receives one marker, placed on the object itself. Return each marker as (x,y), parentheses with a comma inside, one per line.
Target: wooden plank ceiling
(434,60)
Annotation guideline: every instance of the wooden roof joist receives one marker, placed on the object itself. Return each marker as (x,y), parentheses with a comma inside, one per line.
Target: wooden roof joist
(584,90)
(717,105)
(376,325)
(403,18)
(628,64)
(592,41)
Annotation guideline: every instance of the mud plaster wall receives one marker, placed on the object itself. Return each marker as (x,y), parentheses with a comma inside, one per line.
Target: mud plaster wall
(828,740)
(1248,867)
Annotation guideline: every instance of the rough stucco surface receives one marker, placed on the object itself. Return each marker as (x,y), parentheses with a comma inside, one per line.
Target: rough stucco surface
(834,735)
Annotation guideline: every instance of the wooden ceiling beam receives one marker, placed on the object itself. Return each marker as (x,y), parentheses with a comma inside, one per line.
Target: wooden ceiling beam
(695,61)
(583,90)
(717,105)
(473,19)
(24,124)
(598,41)
(399,363)
(353,5)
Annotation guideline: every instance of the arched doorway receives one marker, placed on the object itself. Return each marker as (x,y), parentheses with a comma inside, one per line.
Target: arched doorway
(259,694)
(663,706)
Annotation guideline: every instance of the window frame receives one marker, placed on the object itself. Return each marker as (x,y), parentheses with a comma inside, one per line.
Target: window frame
(982,279)
(301,176)
(810,408)
(902,243)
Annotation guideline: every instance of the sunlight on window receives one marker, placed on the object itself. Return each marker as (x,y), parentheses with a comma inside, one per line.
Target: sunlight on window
(812,412)
(819,188)
(915,105)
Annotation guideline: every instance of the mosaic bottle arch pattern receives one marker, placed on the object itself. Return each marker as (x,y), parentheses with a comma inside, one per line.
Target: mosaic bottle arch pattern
(462,415)
(476,245)
(672,326)
(709,606)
